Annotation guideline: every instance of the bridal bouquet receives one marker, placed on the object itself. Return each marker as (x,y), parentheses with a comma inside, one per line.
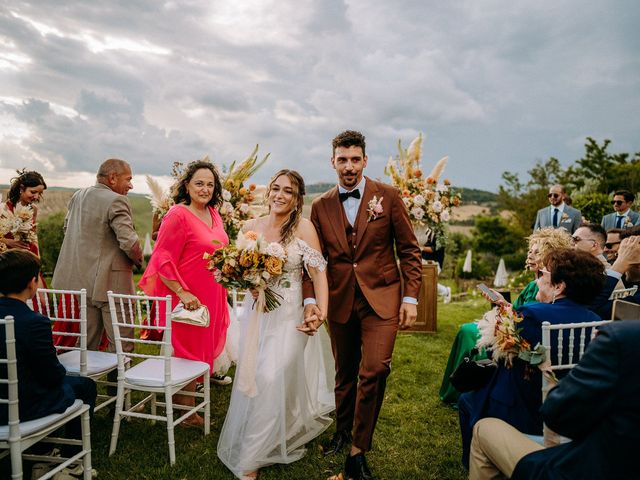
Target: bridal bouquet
(499,333)
(428,201)
(18,223)
(251,263)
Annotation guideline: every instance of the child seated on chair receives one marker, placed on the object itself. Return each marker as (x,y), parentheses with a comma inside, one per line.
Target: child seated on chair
(43,386)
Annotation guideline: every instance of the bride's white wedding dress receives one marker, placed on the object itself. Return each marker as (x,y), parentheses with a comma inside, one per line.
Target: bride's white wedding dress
(294,379)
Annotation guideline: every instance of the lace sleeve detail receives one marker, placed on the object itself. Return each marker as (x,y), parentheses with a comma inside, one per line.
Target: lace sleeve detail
(311,257)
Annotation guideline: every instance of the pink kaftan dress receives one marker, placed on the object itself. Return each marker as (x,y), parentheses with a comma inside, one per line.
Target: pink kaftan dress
(178,255)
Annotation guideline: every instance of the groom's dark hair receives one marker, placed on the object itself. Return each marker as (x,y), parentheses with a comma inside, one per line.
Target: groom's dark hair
(349,138)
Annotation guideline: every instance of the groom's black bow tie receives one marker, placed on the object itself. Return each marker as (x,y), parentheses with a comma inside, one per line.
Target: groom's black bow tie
(353,193)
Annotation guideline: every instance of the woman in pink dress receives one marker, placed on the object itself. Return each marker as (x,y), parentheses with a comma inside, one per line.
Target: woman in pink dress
(177,268)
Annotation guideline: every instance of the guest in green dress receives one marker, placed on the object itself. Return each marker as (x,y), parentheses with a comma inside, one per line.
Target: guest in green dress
(541,242)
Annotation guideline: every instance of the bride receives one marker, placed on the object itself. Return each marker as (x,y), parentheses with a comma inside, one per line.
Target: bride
(292,394)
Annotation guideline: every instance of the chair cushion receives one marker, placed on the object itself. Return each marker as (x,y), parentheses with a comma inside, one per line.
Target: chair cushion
(33,426)
(97,362)
(150,373)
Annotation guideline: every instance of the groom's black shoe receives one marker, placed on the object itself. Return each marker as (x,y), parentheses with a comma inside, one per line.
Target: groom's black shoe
(337,442)
(356,468)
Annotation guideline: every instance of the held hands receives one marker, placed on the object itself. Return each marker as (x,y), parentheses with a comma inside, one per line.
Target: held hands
(408,315)
(313,318)
(189,300)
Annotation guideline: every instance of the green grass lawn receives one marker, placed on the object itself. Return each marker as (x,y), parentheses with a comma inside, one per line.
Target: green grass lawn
(417,436)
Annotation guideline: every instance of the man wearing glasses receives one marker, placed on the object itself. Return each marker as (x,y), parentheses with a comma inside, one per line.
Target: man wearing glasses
(623,217)
(613,244)
(558,214)
(591,238)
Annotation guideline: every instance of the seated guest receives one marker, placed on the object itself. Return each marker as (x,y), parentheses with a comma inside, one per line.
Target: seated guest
(597,405)
(627,265)
(591,238)
(541,242)
(612,244)
(43,386)
(569,280)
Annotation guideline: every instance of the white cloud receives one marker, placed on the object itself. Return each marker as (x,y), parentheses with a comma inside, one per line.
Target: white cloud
(495,86)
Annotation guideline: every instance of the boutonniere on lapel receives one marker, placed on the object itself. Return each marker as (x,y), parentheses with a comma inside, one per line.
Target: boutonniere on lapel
(565,217)
(627,222)
(374,208)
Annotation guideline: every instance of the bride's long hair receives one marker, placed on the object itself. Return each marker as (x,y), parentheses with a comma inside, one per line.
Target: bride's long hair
(288,228)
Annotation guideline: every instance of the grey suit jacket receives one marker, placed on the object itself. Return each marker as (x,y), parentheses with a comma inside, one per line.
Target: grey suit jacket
(100,245)
(609,220)
(570,219)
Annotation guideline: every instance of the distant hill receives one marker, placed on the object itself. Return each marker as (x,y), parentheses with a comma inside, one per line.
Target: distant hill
(474,202)
(473,195)
(469,195)
(56,199)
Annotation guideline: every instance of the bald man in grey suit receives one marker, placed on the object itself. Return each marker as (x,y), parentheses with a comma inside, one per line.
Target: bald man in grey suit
(100,247)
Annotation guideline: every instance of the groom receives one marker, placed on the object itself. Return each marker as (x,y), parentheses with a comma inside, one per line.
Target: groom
(362,225)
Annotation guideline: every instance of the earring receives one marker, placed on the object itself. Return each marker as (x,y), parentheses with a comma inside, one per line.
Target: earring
(553,297)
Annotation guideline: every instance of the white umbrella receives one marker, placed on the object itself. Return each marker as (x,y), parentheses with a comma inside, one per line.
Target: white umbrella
(147,250)
(502,278)
(467,262)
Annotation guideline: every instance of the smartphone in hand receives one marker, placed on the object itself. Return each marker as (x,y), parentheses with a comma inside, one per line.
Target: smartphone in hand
(490,294)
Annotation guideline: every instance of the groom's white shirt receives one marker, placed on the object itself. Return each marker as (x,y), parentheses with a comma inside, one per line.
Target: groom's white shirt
(352,204)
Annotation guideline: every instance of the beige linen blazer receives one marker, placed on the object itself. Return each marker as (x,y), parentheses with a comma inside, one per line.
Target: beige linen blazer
(100,245)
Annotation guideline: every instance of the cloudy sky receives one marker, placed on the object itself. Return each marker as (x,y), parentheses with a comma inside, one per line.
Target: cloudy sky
(496,85)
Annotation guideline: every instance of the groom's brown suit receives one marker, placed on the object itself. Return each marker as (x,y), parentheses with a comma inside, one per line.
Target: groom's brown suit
(365,298)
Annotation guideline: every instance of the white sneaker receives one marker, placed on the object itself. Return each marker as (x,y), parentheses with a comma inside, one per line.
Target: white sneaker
(71,473)
(40,469)
(447,297)
(220,379)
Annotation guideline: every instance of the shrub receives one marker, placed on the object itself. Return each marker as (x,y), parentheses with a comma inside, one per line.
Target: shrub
(50,236)
(479,268)
(497,236)
(515,261)
(593,206)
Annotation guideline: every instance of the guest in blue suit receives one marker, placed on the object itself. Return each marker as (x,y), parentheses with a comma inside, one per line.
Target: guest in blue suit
(623,217)
(43,386)
(569,280)
(597,405)
(627,267)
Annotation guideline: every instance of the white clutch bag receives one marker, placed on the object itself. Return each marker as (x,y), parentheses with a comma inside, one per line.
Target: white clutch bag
(198,317)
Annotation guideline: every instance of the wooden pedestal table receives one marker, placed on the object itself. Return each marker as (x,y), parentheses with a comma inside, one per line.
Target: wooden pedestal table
(427,301)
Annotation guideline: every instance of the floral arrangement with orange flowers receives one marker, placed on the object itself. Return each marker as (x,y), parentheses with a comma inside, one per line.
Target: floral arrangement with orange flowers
(499,333)
(428,201)
(239,202)
(251,263)
(18,223)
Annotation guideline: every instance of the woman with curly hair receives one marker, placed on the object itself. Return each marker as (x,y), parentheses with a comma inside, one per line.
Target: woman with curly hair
(191,228)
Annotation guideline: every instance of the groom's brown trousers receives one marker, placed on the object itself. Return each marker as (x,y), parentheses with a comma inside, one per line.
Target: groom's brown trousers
(362,347)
